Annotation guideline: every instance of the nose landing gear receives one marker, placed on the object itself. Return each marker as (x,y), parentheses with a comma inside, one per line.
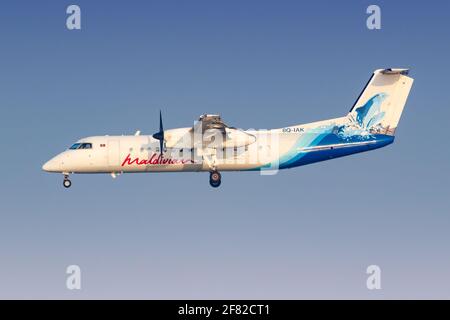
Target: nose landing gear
(215,179)
(66,182)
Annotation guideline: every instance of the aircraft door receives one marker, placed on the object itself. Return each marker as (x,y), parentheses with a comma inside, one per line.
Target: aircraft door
(113,153)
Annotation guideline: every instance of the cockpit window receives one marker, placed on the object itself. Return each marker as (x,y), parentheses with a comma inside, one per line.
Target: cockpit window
(75,146)
(86,146)
(81,146)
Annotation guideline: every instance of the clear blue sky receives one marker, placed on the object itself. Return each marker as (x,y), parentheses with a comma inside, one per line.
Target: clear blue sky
(308,232)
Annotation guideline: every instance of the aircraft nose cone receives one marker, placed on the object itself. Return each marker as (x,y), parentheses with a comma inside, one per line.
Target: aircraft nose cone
(47,166)
(50,166)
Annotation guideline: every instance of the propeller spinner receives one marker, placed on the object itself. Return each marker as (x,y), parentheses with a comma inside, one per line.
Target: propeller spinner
(160,134)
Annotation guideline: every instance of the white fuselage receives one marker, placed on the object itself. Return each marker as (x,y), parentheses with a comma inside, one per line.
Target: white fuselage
(117,154)
(241,150)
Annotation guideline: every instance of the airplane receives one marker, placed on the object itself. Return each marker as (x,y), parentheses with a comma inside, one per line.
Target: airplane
(212,146)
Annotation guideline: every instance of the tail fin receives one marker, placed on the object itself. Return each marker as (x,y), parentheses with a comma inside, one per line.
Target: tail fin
(380,104)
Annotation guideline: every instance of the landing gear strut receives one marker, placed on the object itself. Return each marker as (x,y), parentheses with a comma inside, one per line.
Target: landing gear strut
(66,182)
(215,179)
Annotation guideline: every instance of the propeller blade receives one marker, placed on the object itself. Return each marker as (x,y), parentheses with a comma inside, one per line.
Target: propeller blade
(160,134)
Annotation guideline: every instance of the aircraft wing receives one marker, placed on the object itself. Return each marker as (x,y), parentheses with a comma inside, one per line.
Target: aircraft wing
(212,121)
(212,125)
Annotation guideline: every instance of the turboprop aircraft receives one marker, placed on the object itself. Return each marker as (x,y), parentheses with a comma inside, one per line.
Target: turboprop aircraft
(212,146)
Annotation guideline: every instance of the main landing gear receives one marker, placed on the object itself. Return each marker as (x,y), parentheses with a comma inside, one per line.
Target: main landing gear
(66,182)
(215,179)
